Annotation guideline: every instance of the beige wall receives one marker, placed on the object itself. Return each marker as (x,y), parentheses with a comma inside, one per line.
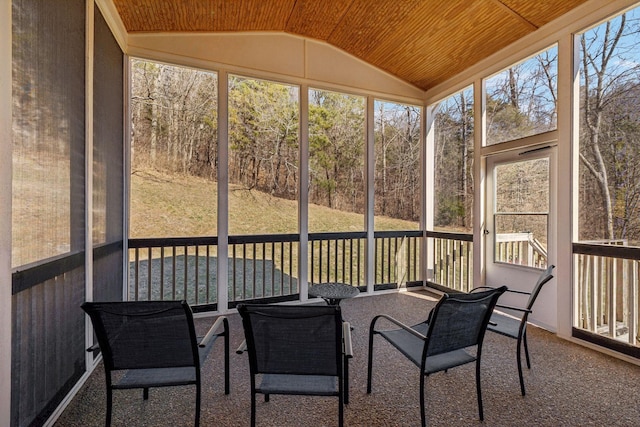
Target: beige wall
(274,55)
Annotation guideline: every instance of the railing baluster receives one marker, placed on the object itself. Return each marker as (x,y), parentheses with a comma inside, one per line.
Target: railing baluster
(282,270)
(335,260)
(254,294)
(197,274)
(208,275)
(244,271)
(233,273)
(273,269)
(344,264)
(149,274)
(173,273)
(320,262)
(350,258)
(161,273)
(137,273)
(290,268)
(186,272)
(359,258)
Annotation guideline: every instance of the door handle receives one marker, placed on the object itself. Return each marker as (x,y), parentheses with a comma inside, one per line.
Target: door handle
(486,231)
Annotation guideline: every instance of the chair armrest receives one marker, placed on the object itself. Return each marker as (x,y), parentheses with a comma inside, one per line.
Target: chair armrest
(400,324)
(516,291)
(509,307)
(346,337)
(479,288)
(213,331)
(513,291)
(242,348)
(93,348)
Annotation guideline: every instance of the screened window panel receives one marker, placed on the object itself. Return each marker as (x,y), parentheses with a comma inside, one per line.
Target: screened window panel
(337,187)
(48,206)
(263,156)
(397,166)
(108,137)
(48,129)
(174,151)
(453,174)
(108,159)
(522,100)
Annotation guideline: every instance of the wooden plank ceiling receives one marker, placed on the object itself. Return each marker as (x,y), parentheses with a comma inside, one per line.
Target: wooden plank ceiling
(423,42)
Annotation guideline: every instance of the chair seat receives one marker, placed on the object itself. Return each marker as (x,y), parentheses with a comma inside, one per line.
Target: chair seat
(504,325)
(412,346)
(156,377)
(311,385)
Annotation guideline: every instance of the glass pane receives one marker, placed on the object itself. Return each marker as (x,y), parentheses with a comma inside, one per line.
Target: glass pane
(609,171)
(397,167)
(521,100)
(263,157)
(523,186)
(453,175)
(174,151)
(336,162)
(522,207)
(521,239)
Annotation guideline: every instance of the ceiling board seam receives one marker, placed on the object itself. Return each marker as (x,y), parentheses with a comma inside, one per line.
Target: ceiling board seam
(346,12)
(516,14)
(286,24)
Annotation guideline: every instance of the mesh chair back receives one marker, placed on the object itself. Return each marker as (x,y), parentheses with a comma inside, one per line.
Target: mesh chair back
(460,320)
(144,334)
(303,340)
(544,278)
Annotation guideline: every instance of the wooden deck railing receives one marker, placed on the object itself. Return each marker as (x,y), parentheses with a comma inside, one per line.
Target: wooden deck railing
(520,249)
(608,290)
(265,267)
(452,260)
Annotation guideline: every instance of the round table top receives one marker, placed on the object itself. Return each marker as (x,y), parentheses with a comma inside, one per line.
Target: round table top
(333,291)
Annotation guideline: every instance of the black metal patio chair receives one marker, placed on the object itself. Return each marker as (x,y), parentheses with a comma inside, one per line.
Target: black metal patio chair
(296,350)
(514,325)
(447,339)
(148,344)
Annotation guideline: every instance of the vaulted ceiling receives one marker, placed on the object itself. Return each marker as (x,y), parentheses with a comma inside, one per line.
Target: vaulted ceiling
(423,42)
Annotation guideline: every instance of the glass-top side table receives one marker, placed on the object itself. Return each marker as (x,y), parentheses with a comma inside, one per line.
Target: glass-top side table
(333,293)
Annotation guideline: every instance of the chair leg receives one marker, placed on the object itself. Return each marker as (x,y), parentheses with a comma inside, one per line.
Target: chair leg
(519,357)
(479,390)
(423,417)
(341,409)
(226,357)
(253,409)
(526,348)
(346,380)
(145,393)
(266,397)
(370,361)
(109,406)
(197,423)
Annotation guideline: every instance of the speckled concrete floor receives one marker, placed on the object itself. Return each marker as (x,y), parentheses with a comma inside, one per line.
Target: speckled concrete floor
(568,385)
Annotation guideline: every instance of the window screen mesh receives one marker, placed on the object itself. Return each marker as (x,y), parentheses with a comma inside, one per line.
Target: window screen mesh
(48,129)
